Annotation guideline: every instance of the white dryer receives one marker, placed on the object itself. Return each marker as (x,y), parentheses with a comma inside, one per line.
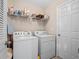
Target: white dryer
(46,44)
(25,46)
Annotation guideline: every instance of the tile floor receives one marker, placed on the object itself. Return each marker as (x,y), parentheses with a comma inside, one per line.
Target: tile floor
(9,53)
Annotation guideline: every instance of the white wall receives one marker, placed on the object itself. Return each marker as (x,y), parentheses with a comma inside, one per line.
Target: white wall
(52,12)
(20,24)
(21,4)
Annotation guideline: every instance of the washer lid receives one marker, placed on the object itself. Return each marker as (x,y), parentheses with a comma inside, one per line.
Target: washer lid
(45,35)
(25,38)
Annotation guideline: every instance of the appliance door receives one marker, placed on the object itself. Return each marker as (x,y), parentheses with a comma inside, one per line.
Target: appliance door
(25,48)
(47,47)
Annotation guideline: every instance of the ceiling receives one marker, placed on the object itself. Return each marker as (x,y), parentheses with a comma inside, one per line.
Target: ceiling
(41,3)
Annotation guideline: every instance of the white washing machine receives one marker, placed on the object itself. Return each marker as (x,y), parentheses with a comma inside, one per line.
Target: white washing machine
(25,46)
(46,44)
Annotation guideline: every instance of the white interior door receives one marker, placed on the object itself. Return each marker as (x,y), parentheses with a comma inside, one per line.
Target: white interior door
(75,28)
(63,33)
(3,30)
(68,30)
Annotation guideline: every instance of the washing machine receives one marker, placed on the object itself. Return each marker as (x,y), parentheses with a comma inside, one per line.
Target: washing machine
(46,44)
(25,46)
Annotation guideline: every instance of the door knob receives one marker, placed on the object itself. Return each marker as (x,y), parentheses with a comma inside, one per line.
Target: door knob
(59,34)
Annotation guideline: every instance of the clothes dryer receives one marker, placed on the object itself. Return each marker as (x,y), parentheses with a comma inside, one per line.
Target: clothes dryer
(46,44)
